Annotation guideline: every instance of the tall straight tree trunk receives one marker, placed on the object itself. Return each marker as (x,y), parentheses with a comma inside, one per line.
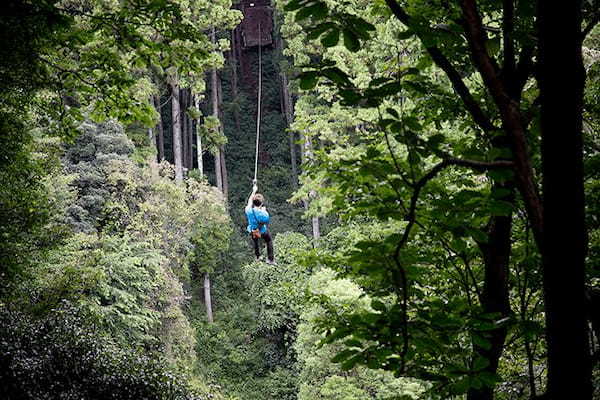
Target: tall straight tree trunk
(215,111)
(160,135)
(214,95)
(199,150)
(184,127)
(175,111)
(316,226)
(289,118)
(190,135)
(564,233)
(151,137)
(224,177)
(288,111)
(233,63)
(239,55)
(207,298)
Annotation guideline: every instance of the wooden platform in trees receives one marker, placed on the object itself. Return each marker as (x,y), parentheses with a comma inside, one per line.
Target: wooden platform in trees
(258,17)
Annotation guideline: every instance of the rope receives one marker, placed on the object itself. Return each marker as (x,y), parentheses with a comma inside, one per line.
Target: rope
(259,103)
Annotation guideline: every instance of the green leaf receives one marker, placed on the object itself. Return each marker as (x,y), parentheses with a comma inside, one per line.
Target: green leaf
(475,383)
(461,386)
(350,96)
(393,112)
(482,342)
(320,29)
(353,343)
(379,81)
(499,192)
(336,335)
(294,5)
(411,71)
(414,158)
(360,26)
(308,80)
(405,34)
(478,235)
(351,40)
(351,362)
(493,45)
(488,378)
(480,363)
(435,141)
(317,11)
(337,75)
(412,123)
(386,90)
(500,208)
(343,355)
(331,38)
(378,306)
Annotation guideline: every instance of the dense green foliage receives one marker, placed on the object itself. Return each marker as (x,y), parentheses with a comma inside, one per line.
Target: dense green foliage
(406,143)
(83,226)
(426,279)
(61,356)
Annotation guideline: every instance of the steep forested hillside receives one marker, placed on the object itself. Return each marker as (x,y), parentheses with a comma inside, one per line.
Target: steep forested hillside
(430,182)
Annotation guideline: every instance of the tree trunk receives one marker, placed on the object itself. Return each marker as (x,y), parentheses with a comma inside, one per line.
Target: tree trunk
(184,128)
(239,54)
(288,110)
(564,234)
(316,226)
(199,150)
(176,115)
(233,63)
(190,135)
(218,171)
(215,112)
(151,137)
(224,177)
(214,94)
(207,298)
(160,136)
(495,295)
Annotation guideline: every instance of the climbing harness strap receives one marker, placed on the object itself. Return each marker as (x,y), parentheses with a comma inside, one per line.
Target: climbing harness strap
(259,103)
(256,232)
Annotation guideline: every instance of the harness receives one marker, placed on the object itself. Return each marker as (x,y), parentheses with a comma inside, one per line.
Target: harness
(256,232)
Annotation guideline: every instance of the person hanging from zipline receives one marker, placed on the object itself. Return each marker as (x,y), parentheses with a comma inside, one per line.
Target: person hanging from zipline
(258,223)
(256,213)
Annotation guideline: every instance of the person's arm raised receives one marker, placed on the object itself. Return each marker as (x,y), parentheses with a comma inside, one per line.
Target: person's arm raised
(254,190)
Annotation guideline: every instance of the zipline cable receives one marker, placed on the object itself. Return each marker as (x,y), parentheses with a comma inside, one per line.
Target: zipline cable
(259,103)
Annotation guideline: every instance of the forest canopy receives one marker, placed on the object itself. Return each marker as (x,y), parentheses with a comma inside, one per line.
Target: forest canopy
(430,177)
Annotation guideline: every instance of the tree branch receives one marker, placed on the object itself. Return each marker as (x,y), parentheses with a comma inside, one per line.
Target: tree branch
(508,23)
(477,38)
(523,70)
(442,62)
(411,218)
(509,111)
(480,165)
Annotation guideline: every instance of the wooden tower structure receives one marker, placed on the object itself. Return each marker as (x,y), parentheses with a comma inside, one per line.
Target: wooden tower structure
(258,21)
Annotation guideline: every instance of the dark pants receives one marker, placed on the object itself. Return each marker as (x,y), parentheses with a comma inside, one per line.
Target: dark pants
(268,241)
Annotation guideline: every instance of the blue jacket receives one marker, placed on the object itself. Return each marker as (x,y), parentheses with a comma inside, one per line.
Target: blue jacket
(256,216)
